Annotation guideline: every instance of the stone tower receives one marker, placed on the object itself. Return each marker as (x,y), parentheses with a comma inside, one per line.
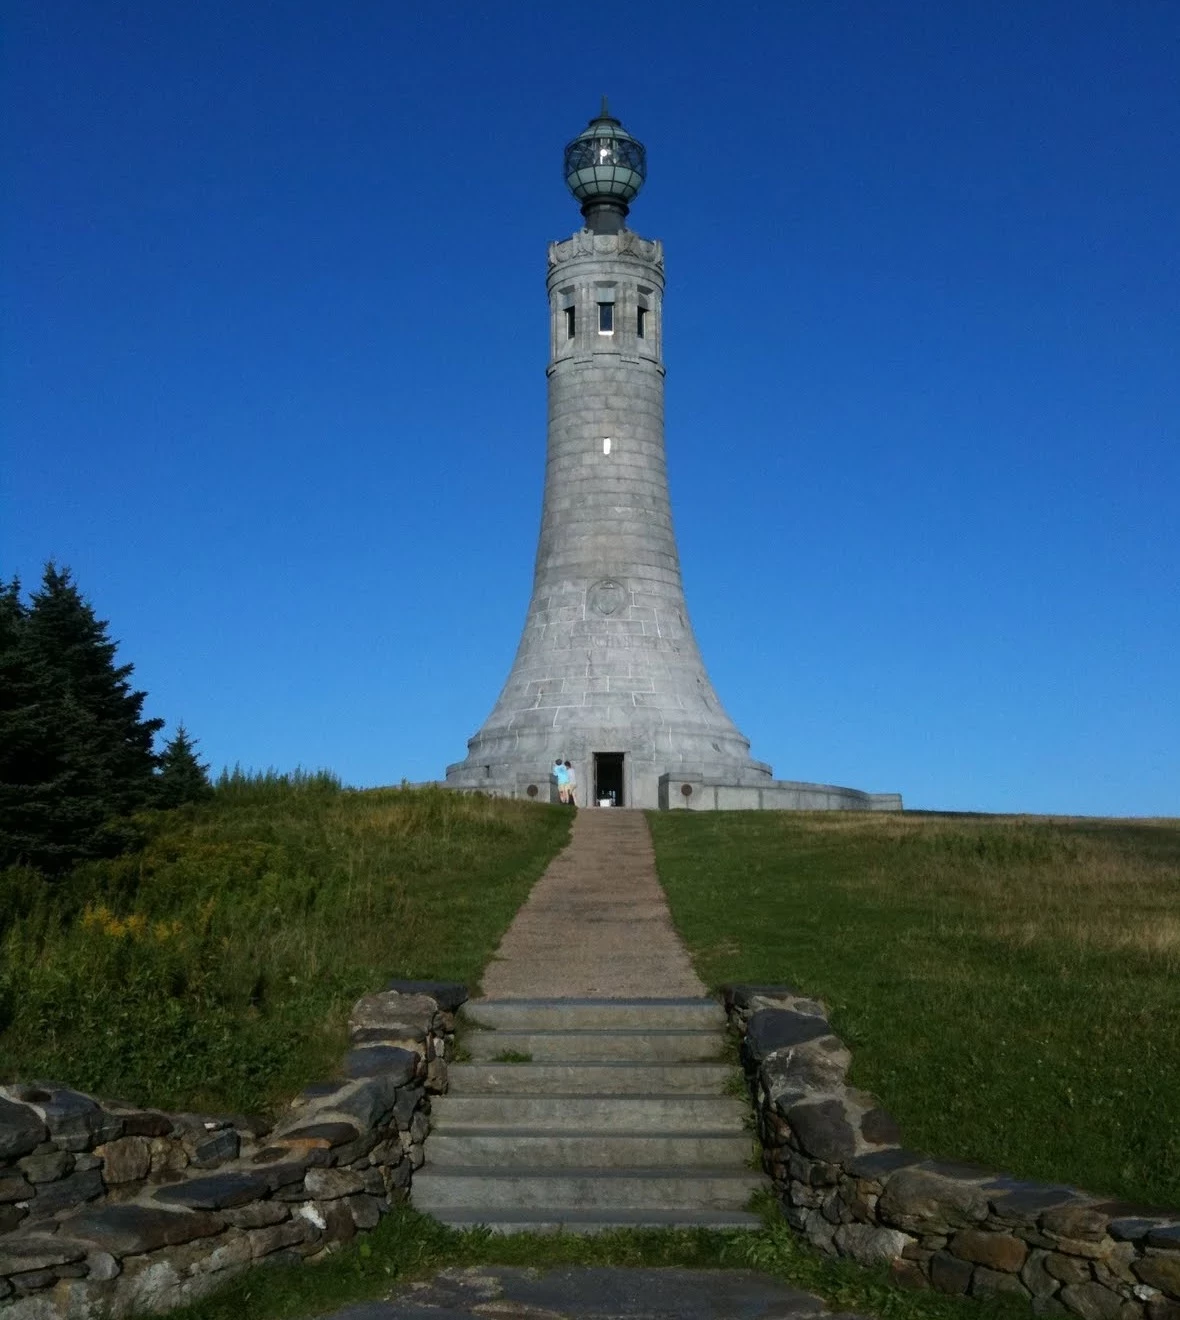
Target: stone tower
(608,674)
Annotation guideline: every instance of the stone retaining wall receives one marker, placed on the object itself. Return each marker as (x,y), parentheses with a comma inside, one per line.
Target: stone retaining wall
(110,1210)
(846,1183)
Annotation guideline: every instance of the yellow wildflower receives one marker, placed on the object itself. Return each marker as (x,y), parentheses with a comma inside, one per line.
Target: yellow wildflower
(96,916)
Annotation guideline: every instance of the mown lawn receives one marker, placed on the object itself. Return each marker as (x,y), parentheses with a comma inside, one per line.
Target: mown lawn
(1009,986)
(215,968)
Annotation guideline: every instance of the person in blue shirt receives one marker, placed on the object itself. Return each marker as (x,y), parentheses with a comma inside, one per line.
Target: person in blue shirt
(562,775)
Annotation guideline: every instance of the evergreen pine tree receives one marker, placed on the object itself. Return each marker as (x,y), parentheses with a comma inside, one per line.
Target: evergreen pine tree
(33,775)
(182,777)
(77,751)
(25,733)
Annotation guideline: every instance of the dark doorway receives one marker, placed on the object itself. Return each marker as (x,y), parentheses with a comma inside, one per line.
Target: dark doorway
(608,777)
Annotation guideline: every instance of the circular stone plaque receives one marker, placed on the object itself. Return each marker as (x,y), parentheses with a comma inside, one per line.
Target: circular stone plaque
(607,597)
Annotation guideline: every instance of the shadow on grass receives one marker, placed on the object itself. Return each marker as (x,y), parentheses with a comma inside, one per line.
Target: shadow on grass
(408,1246)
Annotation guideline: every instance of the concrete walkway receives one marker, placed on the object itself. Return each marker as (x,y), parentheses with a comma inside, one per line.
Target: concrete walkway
(597,923)
(594,1294)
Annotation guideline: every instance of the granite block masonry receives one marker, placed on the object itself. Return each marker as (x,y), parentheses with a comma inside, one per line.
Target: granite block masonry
(608,674)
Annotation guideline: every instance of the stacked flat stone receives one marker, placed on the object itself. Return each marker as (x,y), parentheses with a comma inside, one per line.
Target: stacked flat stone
(108,1209)
(846,1182)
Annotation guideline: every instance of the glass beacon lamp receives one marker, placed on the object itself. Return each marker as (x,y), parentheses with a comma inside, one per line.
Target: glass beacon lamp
(604,169)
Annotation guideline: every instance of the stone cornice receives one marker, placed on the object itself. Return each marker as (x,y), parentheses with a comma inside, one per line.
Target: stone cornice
(626,243)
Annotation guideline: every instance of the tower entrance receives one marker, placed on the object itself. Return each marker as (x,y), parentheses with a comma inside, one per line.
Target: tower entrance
(608,778)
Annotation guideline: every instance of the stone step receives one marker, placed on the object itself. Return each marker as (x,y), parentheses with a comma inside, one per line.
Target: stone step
(498,1149)
(619,1118)
(609,1046)
(579,1112)
(595,1014)
(437,1189)
(601,1078)
(568,1220)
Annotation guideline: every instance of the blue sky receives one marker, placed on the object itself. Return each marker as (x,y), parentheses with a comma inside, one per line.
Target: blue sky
(273,368)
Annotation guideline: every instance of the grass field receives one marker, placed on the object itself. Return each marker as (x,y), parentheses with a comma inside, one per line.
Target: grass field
(214,969)
(1010,987)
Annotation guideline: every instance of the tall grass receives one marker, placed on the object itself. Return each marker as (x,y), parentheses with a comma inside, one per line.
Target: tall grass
(1010,986)
(215,967)
(274,785)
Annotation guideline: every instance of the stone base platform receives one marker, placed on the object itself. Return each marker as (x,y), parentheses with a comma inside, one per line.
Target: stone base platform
(683,792)
(706,792)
